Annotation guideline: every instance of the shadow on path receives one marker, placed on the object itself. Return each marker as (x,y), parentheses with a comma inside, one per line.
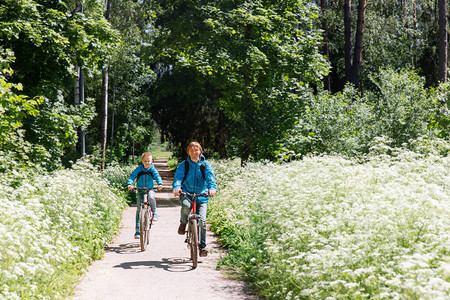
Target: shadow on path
(173,264)
(128,248)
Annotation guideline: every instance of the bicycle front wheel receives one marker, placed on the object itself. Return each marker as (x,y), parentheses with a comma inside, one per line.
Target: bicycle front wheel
(144,226)
(193,243)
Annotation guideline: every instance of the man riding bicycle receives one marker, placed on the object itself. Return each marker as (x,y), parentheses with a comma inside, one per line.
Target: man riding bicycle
(194,175)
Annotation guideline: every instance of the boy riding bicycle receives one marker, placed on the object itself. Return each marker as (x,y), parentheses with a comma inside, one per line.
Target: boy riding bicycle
(194,175)
(145,175)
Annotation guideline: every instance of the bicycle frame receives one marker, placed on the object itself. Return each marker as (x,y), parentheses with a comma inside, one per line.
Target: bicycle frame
(145,218)
(193,235)
(145,204)
(194,196)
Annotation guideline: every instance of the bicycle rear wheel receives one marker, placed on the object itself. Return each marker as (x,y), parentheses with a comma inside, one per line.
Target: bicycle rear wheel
(144,221)
(193,244)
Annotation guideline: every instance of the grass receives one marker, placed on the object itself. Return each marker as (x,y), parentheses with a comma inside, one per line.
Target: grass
(158,149)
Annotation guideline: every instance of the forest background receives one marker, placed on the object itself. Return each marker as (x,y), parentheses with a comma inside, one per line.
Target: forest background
(249,79)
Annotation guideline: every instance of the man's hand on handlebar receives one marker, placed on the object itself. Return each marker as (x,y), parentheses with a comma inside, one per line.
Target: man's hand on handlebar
(130,187)
(176,192)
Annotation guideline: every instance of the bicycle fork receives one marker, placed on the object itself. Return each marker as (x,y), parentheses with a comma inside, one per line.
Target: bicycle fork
(192,215)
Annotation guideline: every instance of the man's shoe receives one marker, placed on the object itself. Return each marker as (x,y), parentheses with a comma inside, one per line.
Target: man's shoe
(203,252)
(182,229)
(155,217)
(137,235)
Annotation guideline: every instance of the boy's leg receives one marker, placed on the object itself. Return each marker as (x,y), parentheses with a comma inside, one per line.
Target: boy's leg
(152,201)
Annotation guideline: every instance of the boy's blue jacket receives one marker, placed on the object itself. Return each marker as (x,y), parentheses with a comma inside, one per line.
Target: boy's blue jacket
(145,177)
(194,182)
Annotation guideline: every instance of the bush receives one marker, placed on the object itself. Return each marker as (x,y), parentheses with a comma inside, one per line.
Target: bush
(51,228)
(117,177)
(327,226)
(397,106)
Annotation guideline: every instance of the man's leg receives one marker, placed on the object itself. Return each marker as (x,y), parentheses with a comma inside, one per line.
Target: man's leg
(186,205)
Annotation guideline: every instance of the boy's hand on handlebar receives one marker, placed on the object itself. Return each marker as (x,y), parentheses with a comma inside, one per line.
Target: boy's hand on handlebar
(212,193)
(130,187)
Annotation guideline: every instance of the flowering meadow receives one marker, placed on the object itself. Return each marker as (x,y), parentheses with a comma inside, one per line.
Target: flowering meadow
(51,227)
(327,227)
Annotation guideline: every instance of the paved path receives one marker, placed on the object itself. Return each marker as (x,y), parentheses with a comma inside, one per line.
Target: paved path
(164,271)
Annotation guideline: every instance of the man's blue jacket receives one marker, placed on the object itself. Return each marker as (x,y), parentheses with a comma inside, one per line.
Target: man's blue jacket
(194,181)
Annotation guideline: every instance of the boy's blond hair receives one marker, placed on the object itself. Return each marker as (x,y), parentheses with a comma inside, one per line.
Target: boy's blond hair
(194,144)
(145,154)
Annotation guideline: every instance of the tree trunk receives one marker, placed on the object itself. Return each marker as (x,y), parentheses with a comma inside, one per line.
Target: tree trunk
(79,93)
(353,66)
(326,80)
(357,55)
(104,114)
(104,105)
(442,41)
(348,38)
(112,124)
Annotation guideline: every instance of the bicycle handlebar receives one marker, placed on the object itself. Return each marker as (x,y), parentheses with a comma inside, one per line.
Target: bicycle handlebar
(195,195)
(144,189)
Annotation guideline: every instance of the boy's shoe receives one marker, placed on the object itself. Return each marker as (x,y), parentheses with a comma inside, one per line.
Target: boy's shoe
(155,217)
(182,229)
(137,235)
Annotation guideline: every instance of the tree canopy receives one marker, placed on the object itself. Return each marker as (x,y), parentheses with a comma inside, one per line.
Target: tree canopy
(242,77)
(250,61)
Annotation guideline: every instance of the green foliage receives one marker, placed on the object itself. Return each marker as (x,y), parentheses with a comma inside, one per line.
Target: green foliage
(398,106)
(403,106)
(55,128)
(333,123)
(184,110)
(117,177)
(48,39)
(130,75)
(440,119)
(251,61)
(15,152)
(397,34)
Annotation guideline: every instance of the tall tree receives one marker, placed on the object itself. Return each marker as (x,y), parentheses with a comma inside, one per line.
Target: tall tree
(259,56)
(48,39)
(327,82)
(442,38)
(130,76)
(104,100)
(353,64)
